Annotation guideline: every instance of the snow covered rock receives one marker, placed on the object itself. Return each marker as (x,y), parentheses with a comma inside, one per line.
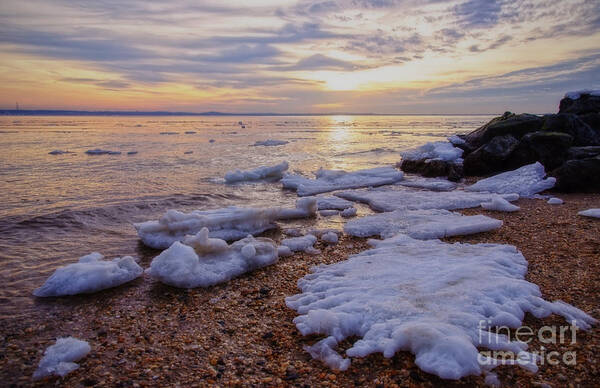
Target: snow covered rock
(393,198)
(231,223)
(438,150)
(59,359)
(595,213)
(499,204)
(420,224)
(90,274)
(577,94)
(303,243)
(433,184)
(270,143)
(555,201)
(333,203)
(525,181)
(265,172)
(200,261)
(439,301)
(331,180)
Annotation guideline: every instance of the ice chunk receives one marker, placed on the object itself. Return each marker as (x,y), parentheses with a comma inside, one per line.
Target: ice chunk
(392,198)
(439,301)
(525,181)
(270,142)
(590,213)
(456,140)
(347,213)
(98,151)
(283,251)
(331,180)
(200,261)
(420,224)
(265,172)
(303,243)
(90,274)
(555,201)
(231,223)
(59,152)
(576,94)
(333,203)
(132,153)
(434,184)
(499,204)
(329,213)
(330,237)
(438,150)
(59,359)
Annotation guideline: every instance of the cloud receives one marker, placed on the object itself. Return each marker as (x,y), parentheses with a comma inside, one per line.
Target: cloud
(320,62)
(478,13)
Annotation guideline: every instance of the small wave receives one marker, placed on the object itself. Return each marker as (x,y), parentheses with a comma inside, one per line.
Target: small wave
(374,150)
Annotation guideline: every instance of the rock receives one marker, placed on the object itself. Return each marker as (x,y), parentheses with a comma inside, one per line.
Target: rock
(490,157)
(583,152)
(591,119)
(586,103)
(548,148)
(507,124)
(582,133)
(433,168)
(578,175)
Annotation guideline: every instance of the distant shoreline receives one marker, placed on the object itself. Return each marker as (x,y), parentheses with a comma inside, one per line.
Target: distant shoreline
(49,112)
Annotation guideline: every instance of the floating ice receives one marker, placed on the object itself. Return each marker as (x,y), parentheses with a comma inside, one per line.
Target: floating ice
(231,223)
(555,201)
(265,172)
(330,237)
(333,203)
(331,180)
(576,94)
(98,151)
(347,213)
(437,300)
(90,274)
(595,213)
(438,150)
(132,153)
(169,133)
(270,142)
(393,198)
(59,152)
(525,181)
(303,243)
(59,358)
(420,224)
(201,261)
(190,132)
(434,184)
(499,204)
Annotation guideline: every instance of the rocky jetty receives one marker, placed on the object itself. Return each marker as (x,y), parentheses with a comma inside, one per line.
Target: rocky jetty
(566,143)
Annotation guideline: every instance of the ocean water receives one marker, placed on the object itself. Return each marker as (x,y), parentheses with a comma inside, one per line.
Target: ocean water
(56,208)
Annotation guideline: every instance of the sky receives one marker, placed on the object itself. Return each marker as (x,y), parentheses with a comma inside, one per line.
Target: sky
(379,56)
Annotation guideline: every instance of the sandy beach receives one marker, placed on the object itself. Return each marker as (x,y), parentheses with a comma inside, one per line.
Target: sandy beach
(241,333)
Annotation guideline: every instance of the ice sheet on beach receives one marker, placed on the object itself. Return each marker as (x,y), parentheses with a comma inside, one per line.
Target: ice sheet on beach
(230,223)
(200,261)
(497,203)
(331,180)
(90,274)
(433,299)
(302,243)
(420,224)
(434,184)
(264,172)
(525,181)
(387,199)
(270,143)
(59,359)
(438,150)
(595,213)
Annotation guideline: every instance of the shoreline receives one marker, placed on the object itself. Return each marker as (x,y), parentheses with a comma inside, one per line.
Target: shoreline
(241,332)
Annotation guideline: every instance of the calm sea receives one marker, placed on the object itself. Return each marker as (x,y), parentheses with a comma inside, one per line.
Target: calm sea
(56,208)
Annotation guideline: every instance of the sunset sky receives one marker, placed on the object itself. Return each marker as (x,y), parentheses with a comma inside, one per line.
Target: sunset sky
(384,56)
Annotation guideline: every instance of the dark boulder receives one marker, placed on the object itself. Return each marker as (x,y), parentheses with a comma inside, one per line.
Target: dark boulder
(569,123)
(578,175)
(586,103)
(583,152)
(593,120)
(433,168)
(548,148)
(507,124)
(490,157)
